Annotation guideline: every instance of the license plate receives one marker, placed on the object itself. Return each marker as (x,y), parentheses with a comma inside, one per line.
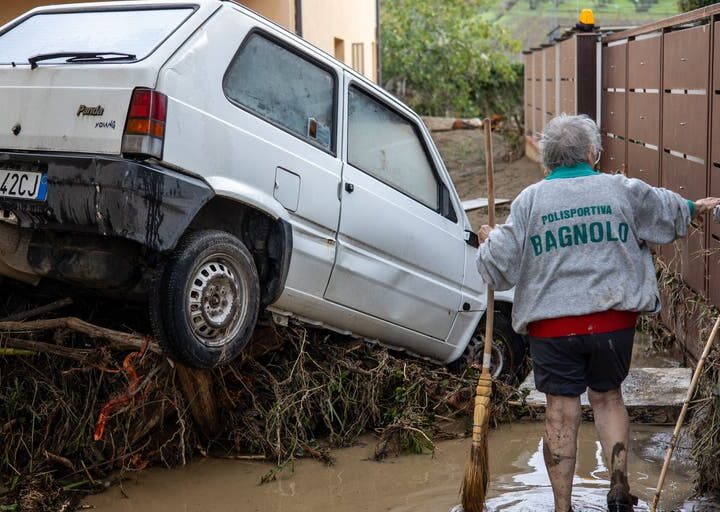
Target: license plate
(23,184)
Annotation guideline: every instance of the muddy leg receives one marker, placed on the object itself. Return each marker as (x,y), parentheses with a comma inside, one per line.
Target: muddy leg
(613,427)
(562,420)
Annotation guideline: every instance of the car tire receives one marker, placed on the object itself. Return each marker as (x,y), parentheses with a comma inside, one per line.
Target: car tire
(509,350)
(205,300)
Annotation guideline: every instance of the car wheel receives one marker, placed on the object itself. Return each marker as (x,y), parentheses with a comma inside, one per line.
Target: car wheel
(508,350)
(206,299)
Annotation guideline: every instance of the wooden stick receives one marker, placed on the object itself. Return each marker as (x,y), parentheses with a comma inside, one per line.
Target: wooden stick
(48,308)
(79,354)
(490,171)
(6,351)
(475,481)
(490,311)
(683,413)
(198,389)
(120,340)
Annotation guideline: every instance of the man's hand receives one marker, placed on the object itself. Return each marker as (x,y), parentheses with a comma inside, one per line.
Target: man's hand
(484,233)
(705,205)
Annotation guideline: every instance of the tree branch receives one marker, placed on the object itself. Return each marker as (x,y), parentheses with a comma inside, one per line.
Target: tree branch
(118,339)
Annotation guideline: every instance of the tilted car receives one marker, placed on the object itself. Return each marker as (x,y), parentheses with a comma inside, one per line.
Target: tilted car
(197,156)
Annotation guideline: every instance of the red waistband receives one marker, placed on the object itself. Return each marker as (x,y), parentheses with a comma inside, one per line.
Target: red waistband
(594,323)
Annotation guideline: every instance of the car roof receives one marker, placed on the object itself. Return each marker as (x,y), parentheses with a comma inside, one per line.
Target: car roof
(167,3)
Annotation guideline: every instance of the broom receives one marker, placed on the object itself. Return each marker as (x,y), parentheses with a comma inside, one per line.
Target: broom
(474,486)
(683,413)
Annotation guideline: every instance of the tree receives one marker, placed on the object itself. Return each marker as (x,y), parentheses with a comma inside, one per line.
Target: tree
(691,5)
(443,57)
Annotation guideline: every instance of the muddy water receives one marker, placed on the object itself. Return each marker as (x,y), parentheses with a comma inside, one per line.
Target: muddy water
(417,483)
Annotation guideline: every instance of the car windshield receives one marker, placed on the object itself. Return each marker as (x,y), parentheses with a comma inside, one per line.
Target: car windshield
(135,31)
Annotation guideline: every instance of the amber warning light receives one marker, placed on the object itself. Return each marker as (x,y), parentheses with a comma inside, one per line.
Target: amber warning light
(586,20)
(145,127)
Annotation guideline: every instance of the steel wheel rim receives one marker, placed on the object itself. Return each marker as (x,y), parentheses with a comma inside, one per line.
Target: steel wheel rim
(215,304)
(497,356)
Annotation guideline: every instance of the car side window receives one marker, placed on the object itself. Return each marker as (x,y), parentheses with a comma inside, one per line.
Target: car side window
(283,88)
(387,146)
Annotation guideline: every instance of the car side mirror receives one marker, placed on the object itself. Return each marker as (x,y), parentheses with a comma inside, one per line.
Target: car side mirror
(472,239)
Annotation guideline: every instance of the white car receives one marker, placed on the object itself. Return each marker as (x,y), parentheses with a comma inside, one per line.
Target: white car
(198,156)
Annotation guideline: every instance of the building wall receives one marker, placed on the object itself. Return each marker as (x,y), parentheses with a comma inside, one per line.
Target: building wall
(336,25)
(281,12)
(345,29)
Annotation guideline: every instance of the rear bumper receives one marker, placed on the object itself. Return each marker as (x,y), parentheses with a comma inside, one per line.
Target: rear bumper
(108,196)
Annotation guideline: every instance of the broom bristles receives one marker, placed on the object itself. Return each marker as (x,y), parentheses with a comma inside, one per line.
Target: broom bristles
(475,483)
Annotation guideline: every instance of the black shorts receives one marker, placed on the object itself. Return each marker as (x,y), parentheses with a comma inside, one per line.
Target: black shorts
(567,366)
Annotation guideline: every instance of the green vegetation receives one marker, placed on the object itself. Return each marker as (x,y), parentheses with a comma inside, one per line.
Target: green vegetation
(691,5)
(458,57)
(445,58)
(532,21)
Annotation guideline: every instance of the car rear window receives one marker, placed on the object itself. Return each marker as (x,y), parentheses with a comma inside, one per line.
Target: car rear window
(135,31)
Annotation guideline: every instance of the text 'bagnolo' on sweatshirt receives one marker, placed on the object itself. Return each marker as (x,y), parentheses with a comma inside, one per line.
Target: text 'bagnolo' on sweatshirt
(576,243)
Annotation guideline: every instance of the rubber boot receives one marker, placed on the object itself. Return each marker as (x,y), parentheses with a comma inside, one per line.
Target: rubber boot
(619,498)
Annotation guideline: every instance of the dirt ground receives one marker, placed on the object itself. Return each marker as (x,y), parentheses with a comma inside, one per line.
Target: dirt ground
(464,154)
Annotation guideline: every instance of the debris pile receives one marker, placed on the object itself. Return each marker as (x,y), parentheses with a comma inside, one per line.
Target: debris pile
(689,316)
(81,404)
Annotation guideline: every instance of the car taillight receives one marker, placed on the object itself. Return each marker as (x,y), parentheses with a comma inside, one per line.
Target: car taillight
(145,126)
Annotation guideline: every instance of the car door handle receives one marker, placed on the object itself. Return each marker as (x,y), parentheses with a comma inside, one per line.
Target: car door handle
(349,188)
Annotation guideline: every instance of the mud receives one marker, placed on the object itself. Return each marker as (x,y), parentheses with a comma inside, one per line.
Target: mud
(411,483)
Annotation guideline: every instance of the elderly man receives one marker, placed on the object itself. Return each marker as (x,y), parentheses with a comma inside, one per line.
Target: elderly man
(576,248)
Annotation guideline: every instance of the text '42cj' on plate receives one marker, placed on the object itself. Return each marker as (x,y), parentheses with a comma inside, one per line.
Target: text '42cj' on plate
(23,184)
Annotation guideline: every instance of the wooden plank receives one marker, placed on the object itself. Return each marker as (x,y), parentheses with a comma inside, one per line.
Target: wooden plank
(567,97)
(613,157)
(197,387)
(692,259)
(613,112)
(714,192)
(614,63)
(644,164)
(686,61)
(644,63)
(567,58)
(716,67)
(684,176)
(714,270)
(644,117)
(685,124)
(716,128)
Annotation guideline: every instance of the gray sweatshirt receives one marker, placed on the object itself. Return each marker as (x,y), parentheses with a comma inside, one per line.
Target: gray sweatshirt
(577,243)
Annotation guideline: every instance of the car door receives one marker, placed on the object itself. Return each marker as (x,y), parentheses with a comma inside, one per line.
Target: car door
(279,142)
(400,248)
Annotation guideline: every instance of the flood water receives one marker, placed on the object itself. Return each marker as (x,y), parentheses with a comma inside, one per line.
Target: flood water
(409,483)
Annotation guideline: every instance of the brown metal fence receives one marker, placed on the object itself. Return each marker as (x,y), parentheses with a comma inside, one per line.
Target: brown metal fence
(659,106)
(555,81)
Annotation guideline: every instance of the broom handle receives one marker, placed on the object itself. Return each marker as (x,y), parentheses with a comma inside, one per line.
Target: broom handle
(683,413)
(490,312)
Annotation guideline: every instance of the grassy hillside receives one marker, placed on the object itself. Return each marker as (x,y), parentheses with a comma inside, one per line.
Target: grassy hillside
(532,25)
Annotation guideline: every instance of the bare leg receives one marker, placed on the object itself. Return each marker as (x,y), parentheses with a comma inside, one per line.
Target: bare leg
(613,427)
(562,420)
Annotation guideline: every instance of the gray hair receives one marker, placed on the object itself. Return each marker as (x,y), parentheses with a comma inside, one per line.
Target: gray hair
(567,140)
